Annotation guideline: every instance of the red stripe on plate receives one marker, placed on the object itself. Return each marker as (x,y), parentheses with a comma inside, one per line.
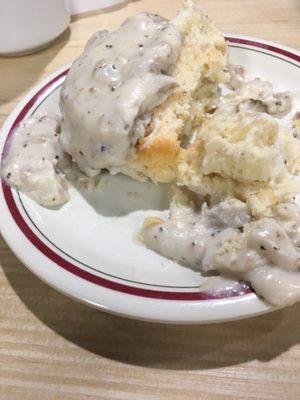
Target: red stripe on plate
(28,106)
(68,266)
(269,47)
(81,273)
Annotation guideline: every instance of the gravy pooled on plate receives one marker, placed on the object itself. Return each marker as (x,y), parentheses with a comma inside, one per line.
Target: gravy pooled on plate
(31,162)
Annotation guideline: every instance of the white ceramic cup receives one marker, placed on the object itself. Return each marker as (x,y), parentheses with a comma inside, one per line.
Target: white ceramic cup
(28,25)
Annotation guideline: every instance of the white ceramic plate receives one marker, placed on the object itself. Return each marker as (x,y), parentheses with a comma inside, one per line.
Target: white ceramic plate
(88,249)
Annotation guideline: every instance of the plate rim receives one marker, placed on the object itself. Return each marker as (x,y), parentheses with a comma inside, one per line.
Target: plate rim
(128,305)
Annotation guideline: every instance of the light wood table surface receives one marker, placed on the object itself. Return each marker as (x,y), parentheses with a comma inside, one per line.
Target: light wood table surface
(54,348)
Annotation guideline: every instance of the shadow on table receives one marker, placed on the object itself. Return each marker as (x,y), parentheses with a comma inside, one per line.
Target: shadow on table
(30,65)
(153,345)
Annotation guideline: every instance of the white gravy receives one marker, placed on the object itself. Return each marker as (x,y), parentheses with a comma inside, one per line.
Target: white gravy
(111,89)
(31,162)
(257,95)
(225,239)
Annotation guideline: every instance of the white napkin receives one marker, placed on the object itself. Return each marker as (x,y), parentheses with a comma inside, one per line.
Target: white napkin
(80,6)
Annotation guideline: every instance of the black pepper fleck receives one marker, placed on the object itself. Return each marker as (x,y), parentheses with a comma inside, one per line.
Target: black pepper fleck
(104,148)
(140,46)
(241,229)
(263,248)
(53,199)
(80,152)
(114,67)
(109,46)
(155,237)
(161,229)
(285,161)
(43,158)
(8,175)
(57,157)
(25,145)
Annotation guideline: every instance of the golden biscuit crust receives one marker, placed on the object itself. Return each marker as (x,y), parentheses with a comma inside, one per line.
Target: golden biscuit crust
(202,60)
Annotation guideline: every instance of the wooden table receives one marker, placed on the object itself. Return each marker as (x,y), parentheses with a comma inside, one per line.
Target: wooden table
(54,348)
